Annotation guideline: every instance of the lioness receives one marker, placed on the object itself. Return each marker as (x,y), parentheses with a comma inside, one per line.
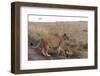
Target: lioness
(51,41)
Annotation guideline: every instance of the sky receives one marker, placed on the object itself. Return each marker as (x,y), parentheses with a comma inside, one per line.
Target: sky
(48,18)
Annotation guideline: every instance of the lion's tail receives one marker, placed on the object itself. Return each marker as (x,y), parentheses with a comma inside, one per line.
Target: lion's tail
(37,46)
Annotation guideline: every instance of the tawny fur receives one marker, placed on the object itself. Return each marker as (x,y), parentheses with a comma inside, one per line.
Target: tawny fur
(51,41)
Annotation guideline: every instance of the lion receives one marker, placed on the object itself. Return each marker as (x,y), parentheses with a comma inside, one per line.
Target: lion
(66,52)
(51,41)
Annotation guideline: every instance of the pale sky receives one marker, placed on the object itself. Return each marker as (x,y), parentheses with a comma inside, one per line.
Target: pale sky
(33,18)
